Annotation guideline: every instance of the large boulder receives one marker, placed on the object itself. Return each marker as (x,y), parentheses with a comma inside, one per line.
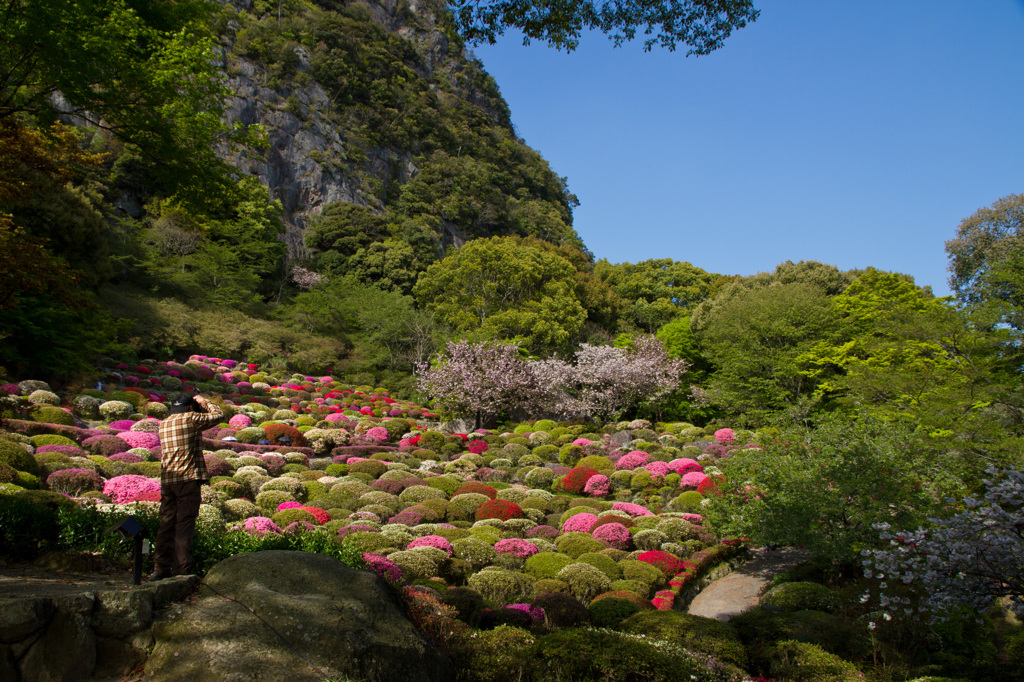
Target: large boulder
(346,622)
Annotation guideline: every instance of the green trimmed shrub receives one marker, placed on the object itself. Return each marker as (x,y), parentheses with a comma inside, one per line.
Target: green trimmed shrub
(610,612)
(499,587)
(468,604)
(269,500)
(576,544)
(446,483)
(561,609)
(803,662)
(51,439)
(801,596)
(17,457)
(641,572)
(504,653)
(546,564)
(589,654)
(694,633)
(585,582)
(475,552)
(48,414)
(603,563)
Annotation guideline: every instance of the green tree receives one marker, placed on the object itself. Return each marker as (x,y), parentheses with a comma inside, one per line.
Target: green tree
(657,290)
(143,71)
(756,338)
(986,258)
(339,232)
(501,288)
(903,355)
(701,25)
(826,488)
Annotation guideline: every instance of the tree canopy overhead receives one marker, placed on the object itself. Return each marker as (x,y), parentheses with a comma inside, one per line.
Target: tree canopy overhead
(701,25)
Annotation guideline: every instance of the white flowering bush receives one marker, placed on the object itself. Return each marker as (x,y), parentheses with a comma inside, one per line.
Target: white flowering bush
(971,559)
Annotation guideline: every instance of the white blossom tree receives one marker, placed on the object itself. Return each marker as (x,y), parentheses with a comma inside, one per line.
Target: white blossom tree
(477,379)
(605,381)
(971,559)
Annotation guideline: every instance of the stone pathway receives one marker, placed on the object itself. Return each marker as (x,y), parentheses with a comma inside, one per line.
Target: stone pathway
(740,590)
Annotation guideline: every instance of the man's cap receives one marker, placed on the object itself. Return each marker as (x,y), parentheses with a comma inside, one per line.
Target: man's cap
(180,403)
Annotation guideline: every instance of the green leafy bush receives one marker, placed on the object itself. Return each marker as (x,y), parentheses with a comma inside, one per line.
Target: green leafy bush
(694,633)
(610,612)
(499,586)
(801,596)
(803,662)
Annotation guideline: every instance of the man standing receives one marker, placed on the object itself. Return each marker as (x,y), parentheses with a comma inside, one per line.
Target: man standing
(182,474)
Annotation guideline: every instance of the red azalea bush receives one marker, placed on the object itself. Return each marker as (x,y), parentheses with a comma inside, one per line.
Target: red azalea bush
(477,488)
(576,480)
(663,561)
(709,486)
(320,515)
(499,509)
(477,446)
(276,431)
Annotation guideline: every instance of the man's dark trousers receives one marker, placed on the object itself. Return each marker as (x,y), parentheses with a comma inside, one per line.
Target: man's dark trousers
(179,507)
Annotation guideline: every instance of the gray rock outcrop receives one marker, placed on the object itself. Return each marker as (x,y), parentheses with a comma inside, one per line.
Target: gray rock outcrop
(310,607)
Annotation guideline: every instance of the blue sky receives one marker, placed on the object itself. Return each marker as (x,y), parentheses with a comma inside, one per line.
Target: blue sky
(853,133)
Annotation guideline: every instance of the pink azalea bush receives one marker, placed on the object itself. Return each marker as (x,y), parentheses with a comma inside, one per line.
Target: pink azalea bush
(516,547)
(432,541)
(597,485)
(658,469)
(725,436)
(124,489)
(378,433)
(240,421)
(632,509)
(615,534)
(535,613)
(260,525)
(633,460)
(580,442)
(693,479)
(290,504)
(139,439)
(579,523)
(684,465)
(126,457)
(384,567)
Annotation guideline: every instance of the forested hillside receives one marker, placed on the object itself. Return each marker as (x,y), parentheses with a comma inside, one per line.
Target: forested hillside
(316,185)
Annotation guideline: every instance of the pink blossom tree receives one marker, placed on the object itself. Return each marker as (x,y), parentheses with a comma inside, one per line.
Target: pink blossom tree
(606,381)
(477,379)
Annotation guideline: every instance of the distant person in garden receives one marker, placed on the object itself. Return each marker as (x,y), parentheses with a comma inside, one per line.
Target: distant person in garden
(182,474)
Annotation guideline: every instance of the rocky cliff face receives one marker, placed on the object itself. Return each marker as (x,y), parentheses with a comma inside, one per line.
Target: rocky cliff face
(308,163)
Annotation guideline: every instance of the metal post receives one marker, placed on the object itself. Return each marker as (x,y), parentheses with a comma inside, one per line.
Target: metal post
(137,557)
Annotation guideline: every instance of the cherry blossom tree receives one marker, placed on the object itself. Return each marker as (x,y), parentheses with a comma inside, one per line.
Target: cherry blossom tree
(605,381)
(971,559)
(477,379)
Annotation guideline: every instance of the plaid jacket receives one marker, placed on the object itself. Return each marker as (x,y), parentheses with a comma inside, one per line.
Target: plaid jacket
(181,443)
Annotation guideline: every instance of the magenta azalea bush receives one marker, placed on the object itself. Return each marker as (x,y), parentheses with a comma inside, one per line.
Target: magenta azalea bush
(579,523)
(384,567)
(633,460)
(725,436)
(240,421)
(260,525)
(631,509)
(516,547)
(124,489)
(432,541)
(693,479)
(597,485)
(74,482)
(139,439)
(615,534)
